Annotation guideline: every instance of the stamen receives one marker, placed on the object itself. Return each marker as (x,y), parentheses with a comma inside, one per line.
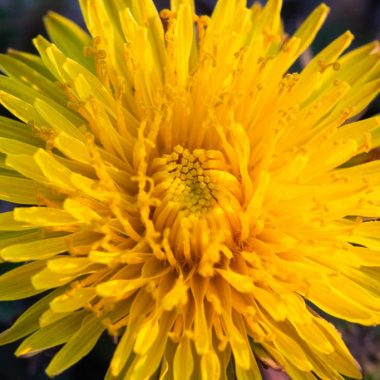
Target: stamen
(191,188)
(196,191)
(324,66)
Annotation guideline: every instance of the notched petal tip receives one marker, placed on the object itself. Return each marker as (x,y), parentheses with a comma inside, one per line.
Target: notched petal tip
(25,352)
(349,35)
(323,8)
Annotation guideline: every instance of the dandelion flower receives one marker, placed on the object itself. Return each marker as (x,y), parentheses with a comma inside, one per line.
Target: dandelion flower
(180,188)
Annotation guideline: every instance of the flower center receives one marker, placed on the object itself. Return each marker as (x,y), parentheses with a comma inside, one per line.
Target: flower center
(188,181)
(199,200)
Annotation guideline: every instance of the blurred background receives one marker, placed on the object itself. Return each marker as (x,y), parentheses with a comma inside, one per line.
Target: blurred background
(21,20)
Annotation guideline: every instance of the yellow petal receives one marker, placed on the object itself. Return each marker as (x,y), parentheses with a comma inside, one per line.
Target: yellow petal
(71,301)
(183,35)
(43,216)
(210,366)
(16,283)
(146,336)
(50,336)
(56,120)
(28,321)
(183,363)
(8,222)
(15,130)
(18,190)
(31,60)
(310,27)
(68,265)
(40,249)
(78,346)
(69,37)
(18,70)
(340,306)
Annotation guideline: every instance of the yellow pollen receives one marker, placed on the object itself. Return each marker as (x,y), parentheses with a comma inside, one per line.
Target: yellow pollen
(192,192)
(195,190)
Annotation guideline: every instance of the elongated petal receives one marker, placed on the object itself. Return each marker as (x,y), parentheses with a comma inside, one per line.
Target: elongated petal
(77,347)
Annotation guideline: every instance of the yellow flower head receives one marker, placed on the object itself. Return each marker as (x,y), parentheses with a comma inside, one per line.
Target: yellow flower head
(179,188)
